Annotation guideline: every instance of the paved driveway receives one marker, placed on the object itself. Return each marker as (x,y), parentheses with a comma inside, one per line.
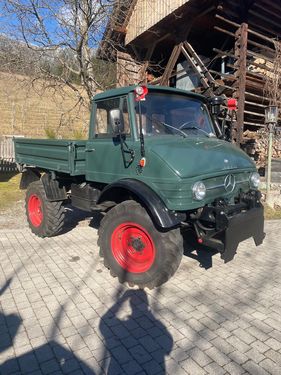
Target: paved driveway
(61,311)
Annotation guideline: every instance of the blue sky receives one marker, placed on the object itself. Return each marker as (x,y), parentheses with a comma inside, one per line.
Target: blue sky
(10,24)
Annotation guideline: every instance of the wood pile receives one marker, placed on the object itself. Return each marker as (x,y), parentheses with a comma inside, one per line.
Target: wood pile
(257,146)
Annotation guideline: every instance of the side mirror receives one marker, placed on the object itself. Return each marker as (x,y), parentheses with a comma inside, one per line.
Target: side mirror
(116,121)
(215,104)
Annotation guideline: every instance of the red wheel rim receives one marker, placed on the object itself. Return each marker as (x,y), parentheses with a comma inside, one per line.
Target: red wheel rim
(35,210)
(132,247)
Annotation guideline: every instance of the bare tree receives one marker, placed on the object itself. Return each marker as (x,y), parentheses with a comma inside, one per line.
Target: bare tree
(57,41)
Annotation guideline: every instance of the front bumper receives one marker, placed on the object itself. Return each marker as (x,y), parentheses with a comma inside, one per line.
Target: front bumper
(240,227)
(224,226)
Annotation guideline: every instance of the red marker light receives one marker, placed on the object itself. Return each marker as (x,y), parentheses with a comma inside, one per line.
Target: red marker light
(141,92)
(142,162)
(232,104)
(200,240)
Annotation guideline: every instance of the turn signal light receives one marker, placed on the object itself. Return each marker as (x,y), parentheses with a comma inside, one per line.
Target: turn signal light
(142,162)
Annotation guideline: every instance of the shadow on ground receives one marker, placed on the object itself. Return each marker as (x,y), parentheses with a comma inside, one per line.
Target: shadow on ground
(47,358)
(135,340)
(194,250)
(74,216)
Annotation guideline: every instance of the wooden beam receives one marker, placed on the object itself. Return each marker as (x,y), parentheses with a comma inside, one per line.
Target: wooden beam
(270,40)
(224,53)
(241,73)
(266,19)
(171,64)
(249,41)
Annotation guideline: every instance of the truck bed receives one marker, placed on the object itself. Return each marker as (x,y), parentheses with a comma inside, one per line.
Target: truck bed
(67,156)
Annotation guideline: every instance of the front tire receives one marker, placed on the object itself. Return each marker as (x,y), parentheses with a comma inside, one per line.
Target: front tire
(134,250)
(45,218)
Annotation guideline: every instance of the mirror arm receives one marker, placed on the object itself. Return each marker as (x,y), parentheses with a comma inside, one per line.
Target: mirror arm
(128,151)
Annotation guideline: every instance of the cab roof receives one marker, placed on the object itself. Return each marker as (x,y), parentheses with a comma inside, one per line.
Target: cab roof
(126,90)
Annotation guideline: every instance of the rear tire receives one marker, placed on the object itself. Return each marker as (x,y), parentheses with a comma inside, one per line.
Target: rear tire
(45,218)
(134,250)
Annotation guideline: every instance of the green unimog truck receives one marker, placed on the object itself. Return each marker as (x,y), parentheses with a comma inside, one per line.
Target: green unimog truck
(154,165)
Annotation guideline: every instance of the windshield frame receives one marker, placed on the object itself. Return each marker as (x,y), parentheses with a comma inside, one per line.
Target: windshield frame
(182,96)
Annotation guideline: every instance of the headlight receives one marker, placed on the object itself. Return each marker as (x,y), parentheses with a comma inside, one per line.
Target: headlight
(199,190)
(255,180)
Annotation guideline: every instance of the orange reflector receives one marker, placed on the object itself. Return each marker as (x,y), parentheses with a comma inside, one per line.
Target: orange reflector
(142,162)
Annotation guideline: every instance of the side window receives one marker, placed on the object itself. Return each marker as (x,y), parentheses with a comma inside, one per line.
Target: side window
(102,123)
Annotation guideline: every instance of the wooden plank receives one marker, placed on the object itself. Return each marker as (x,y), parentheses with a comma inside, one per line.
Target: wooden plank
(171,64)
(226,76)
(224,53)
(259,56)
(241,73)
(254,124)
(224,31)
(254,113)
(255,104)
(191,62)
(249,30)
(255,44)
(268,20)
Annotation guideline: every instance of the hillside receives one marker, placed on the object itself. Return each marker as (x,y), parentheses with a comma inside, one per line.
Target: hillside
(28,109)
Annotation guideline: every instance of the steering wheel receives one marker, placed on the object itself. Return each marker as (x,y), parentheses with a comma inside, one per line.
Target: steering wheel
(185,125)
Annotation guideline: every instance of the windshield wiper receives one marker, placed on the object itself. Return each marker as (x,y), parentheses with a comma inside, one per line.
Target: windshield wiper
(168,126)
(201,130)
(173,127)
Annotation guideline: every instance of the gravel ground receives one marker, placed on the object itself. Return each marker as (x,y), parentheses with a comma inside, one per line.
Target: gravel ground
(14,217)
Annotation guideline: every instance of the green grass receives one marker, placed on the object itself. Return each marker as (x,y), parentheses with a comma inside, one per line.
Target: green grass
(272,214)
(9,190)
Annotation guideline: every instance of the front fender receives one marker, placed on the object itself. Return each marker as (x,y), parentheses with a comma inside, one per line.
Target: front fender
(159,213)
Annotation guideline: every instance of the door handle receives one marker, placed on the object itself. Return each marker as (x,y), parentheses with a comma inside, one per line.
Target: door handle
(90,149)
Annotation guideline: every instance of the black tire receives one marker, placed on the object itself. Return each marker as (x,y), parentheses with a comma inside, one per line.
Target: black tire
(45,218)
(162,251)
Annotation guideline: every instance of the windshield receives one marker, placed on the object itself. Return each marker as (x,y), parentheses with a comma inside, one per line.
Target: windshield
(172,114)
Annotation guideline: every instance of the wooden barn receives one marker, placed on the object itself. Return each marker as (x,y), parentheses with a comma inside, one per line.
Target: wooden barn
(225,47)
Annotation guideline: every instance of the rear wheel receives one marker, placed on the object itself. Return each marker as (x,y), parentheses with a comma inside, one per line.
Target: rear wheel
(134,250)
(45,218)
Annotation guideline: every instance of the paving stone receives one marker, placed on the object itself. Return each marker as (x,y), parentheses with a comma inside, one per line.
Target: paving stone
(270,366)
(218,357)
(192,368)
(234,369)
(214,369)
(131,368)
(273,343)
(260,346)
(49,367)
(244,336)
(199,357)
(59,317)
(152,368)
(274,356)
(139,353)
(254,369)
(255,355)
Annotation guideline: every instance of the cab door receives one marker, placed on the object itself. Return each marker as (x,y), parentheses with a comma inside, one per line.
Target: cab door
(104,157)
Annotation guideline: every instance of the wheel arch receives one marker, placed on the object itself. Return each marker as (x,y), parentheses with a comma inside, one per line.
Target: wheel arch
(126,189)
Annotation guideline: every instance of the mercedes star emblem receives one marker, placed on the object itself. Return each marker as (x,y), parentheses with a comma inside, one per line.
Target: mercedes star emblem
(229,183)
